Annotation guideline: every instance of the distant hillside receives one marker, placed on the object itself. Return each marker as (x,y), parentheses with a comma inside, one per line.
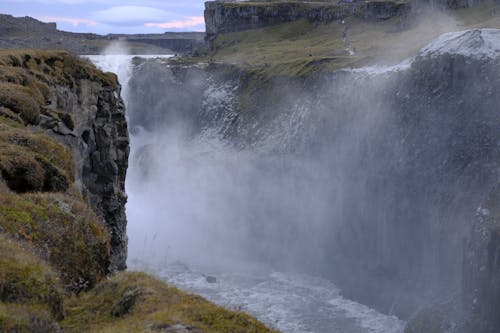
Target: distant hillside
(224,16)
(29,33)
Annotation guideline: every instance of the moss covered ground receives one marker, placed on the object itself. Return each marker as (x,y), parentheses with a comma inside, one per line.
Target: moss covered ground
(136,302)
(54,248)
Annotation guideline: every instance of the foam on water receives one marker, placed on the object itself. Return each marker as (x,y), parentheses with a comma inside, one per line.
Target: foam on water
(294,303)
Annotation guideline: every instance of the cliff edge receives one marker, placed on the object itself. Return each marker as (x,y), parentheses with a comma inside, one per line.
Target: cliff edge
(63,159)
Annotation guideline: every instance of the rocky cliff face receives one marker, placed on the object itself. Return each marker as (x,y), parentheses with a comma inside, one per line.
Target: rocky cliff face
(99,140)
(10,24)
(78,106)
(29,33)
(63,158)
(230,16)
(222,17)
(402,156)
(482,267)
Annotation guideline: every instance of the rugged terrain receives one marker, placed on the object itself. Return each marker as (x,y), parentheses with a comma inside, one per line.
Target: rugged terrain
(416,233)
(63,158)
(28,33)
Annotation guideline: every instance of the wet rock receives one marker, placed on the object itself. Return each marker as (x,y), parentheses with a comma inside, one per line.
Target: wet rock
(125,303)
(482,268)
(211,279)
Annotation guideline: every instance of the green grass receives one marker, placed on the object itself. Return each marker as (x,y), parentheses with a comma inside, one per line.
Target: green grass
(31,161)
(24,279)
(25,318)
(301,47)
(34,68)
(55,249)
(136,302)
(63,230)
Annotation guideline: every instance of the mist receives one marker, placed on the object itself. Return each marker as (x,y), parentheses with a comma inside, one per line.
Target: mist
(368,178)
(282,196)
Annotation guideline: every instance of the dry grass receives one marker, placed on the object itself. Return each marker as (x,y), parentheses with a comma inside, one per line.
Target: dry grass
(24,318)
(136,302)
(54,67)
(301,47)
(63,230)
(33,161)
(24,279)
(53,245)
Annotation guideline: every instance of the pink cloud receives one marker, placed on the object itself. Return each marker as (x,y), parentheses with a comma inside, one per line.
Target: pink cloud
(72,20)
(190,21)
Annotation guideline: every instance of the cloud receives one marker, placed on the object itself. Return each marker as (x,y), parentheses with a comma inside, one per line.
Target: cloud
(189,22)
(131,15)
(72,20)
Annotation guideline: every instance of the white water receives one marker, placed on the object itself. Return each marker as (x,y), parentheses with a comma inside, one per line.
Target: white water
(287,301)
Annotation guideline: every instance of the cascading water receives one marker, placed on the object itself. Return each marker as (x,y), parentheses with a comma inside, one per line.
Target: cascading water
(200,208)
(257,194)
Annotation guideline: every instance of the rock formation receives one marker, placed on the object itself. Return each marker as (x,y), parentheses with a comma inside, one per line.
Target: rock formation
(398,235)
(98,137)
(82,109)
(63,160)
(29,33)
(223,17)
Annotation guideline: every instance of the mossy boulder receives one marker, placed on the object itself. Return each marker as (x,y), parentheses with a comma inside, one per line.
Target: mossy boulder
(21,101)
(34,161)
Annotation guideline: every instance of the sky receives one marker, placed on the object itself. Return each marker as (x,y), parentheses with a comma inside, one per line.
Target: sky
(112,16)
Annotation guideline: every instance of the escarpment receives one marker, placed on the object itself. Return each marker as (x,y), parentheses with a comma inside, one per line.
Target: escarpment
(63,159)
(64,130)
(231,16)
(404,157)
(54,98)
(98,137)
(223,17)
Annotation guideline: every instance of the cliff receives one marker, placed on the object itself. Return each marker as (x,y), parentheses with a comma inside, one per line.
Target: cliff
(403,156)
(231,16)
(223,17)
(63,159)
(29,33)
(65,99)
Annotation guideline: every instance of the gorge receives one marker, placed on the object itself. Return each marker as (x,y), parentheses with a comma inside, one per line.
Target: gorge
(324,167)
(377,191)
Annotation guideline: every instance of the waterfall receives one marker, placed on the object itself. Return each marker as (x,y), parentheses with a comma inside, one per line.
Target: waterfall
(199,206)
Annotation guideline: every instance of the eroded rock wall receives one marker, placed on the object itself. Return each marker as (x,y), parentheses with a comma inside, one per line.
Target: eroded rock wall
(67,98)
(398,158)
(223,17)
(100,144)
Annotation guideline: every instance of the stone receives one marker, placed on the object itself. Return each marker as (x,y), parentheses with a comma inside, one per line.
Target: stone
(211,279)
(100,148)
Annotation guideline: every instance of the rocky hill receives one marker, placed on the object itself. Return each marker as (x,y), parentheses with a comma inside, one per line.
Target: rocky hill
(28,33)
(63,159)
(223,17)
(231,16)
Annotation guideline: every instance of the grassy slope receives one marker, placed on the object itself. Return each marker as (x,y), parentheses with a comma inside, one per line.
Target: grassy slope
(53,245)
(136,302)
(300,47)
